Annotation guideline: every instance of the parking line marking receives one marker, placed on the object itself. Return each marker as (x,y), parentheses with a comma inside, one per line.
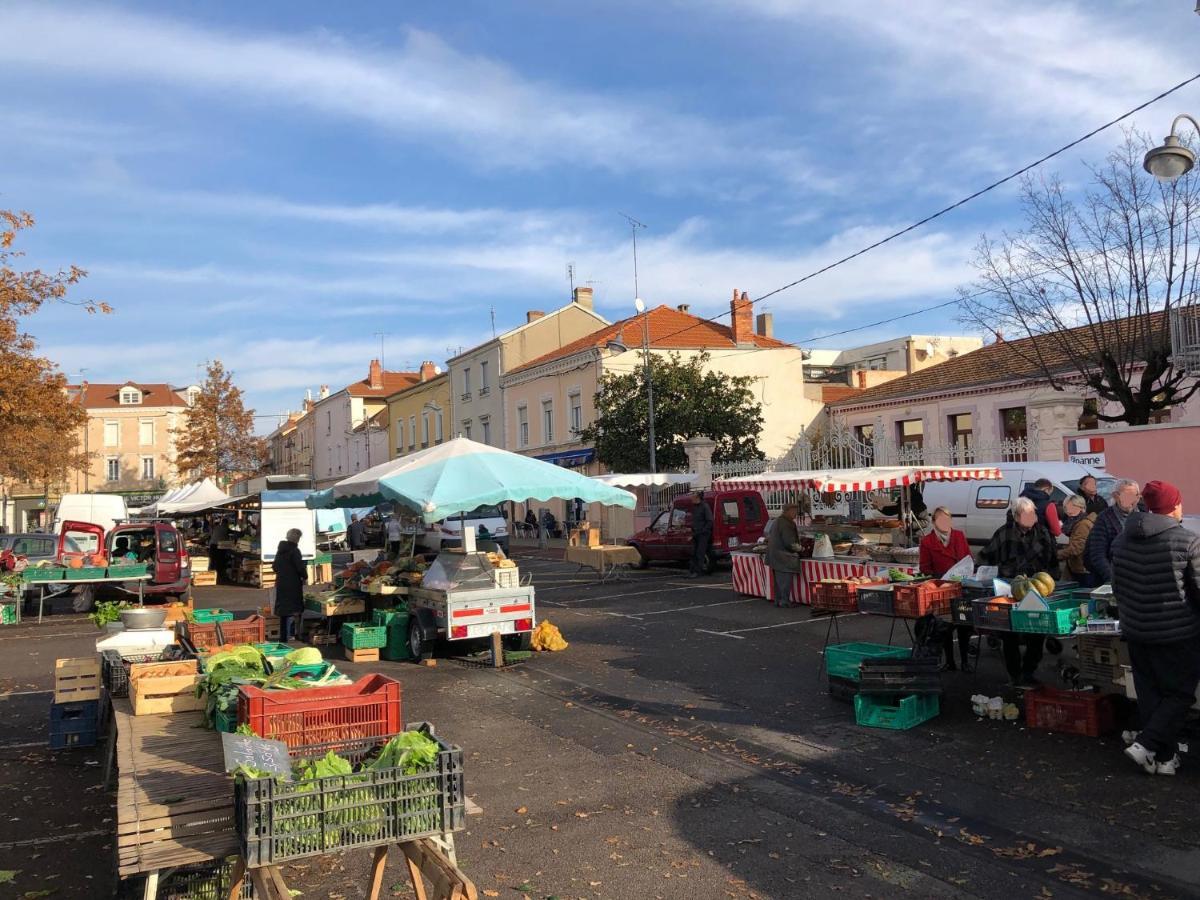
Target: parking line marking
(663,612)
(736,632)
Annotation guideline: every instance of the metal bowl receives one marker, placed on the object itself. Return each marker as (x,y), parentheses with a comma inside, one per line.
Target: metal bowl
(134,619)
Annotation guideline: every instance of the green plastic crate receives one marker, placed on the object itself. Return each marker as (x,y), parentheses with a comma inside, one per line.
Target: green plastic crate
(8,614)
(363,637)
(876,712)
(209,616)
(322,558)
(396,649)
(44,573)
(87,573)
(271,650)
(133,570)
(386,617)
(225,721)
(1060,618)
(842,660)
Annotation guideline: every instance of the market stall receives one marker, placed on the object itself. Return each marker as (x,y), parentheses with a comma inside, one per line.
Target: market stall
(252,527)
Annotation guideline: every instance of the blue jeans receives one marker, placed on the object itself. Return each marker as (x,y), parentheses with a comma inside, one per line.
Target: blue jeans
(289,626)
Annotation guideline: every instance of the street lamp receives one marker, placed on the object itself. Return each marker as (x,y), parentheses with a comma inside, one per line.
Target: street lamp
(645,314)
(1172,159)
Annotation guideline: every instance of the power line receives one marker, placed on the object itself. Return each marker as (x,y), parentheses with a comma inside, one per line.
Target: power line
(946,209)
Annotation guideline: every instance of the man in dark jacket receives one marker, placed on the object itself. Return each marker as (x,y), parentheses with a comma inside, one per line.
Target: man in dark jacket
(1022,546)
(1097,556)
(702,532)
(783,553)
(290,577)
(1088,491)
(1047,512)
(1156,583)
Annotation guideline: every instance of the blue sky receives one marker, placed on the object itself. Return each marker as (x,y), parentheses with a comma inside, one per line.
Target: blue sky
(273,183)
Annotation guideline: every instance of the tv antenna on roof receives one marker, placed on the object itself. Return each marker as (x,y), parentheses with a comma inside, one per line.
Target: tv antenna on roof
(381,335)
(571,278)
(634,225)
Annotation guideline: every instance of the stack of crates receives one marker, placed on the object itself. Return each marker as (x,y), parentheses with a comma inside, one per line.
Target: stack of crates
(890,689)
(75,712)
(396,622)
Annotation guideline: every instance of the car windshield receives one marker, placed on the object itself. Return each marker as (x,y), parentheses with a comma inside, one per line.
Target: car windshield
(1104,485)
(485,512)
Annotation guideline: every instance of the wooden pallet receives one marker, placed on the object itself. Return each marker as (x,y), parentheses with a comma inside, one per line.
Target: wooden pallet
(361,656)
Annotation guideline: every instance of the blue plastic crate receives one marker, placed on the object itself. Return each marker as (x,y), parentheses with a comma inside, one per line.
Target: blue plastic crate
(73,740)
(71,716)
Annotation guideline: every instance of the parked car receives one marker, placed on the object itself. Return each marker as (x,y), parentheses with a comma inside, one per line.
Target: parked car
(157,543)
(34,547)
(739,519)
(978,508)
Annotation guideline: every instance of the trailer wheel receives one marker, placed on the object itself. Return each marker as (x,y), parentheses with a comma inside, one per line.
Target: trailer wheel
(1054,646)
(418,647)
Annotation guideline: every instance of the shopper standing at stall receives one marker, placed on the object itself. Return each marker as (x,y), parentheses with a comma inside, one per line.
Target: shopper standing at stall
(1087,490)
(356,533)
(290,577)
(394,533)
(1022,546)
(702,532)
(1047,512)
(1156,583)
(1098,553)
(216,555)
(783,553)
(939,551)
(1078,527)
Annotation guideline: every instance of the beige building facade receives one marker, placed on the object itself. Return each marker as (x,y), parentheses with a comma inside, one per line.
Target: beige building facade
(419,416)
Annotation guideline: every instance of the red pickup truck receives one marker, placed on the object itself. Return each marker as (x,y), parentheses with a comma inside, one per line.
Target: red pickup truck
(739,518)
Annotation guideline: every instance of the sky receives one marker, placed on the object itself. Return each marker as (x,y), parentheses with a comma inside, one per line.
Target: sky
(276,184)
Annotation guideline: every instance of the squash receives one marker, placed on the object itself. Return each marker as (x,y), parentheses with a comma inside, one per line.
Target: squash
(1020,587)
(1044,583)
(76,563)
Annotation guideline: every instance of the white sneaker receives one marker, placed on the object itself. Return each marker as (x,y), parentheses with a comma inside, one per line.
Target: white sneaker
(1142,757)
(1170,767)
(1183,747)
(1129,736)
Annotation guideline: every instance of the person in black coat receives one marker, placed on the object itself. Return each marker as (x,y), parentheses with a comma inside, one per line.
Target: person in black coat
(702,535)
(1097,555)
(1156,583)
(290,577)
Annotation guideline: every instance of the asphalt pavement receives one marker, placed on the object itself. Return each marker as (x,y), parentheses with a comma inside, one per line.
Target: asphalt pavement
(683,746)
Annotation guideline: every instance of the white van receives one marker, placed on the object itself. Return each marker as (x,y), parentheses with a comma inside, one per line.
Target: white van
(105,510)
(488,521)
(980,507)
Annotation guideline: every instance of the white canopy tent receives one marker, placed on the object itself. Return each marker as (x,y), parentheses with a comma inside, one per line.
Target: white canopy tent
(869,479)
(191,498)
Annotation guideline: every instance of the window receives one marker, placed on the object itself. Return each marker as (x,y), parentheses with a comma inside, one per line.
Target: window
(484,384)
(962,437)
(425,429)
(661,523)
(576,413)
(993,496)
(865,435)
(113,468)
(523,426)
(1013,425)
(486,424)
(466,394)
(910,437)
(547,421)
(329,421)
(729,511)
(438,426)
(466,431)
(34,547)
(146,432)
(399,435)
(147,468)
(753,507)
(875,363)
(167,541)
(112,434)
(412,432)
(680,518)
(130,396)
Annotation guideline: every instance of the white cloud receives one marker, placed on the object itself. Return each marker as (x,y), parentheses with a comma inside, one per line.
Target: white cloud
(425,91)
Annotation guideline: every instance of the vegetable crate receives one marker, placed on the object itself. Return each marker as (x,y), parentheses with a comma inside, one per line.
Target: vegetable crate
(155,693)
(74,724)
(835,596)
(843,660)
(370,707)
(279,821)
(907,713)
(251,630)
(363,637)
(1060,618)
(341,606)
(204,579)
(46,573)
(879,601)
(1070,712)
(8,613)
(76,679)
(396,649)
(883,675)
(386,617)
(115,668)
(916,600)
(203,881)
(992,614)
(134,570)
(225,721)
(208,616)
(87,573)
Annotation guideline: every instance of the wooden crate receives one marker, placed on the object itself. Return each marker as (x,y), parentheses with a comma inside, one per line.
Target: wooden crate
(199,563)
(271,627)
(76,679)
(361,656)
(204,579)
(153,696)
(164,669)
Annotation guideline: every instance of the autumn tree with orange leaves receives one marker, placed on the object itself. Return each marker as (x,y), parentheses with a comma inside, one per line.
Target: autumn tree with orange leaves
(217,437)
(39,423)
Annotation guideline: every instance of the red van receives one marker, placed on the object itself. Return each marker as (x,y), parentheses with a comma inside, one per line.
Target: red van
(739,518)
(156,542)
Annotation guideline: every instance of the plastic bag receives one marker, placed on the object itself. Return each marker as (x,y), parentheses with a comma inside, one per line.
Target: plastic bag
(548,637)
(822,548)
(964,568)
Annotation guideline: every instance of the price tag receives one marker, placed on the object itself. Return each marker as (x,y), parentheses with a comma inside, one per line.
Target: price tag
(256,752)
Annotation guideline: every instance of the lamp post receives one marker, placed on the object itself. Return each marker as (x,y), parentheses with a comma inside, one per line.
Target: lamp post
(1172,160)
(645,314)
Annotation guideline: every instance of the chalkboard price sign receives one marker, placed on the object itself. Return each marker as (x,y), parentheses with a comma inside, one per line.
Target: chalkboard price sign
(257,753)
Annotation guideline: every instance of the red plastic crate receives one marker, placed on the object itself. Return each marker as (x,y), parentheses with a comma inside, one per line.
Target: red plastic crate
(1070,712)
(915,600)
(836,596)
(251,630)
(368,708)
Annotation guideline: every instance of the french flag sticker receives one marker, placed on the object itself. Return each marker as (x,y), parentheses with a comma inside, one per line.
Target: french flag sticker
(1085,445)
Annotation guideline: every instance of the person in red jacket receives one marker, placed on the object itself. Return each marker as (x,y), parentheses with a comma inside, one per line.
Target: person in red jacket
(940,550)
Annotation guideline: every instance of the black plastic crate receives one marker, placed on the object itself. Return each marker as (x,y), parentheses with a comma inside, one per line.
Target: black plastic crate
(973,590)
(962,611)
(279,821)
(919,675)
(203,881)
(114,668)
(842,689)
(880,601)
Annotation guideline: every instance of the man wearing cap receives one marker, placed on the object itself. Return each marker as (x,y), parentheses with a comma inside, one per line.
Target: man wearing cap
(1156,583)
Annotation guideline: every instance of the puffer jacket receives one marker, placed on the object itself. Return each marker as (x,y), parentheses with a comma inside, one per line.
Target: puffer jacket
(1097,556)
(1156,579)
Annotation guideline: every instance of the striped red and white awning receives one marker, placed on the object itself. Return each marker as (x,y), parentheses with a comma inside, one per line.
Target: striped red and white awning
(850,480)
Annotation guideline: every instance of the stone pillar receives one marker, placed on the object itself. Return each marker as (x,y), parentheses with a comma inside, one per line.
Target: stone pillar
(699,452)
(1049,415)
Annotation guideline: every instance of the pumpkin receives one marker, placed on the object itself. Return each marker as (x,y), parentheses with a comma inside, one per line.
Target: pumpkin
(76,563)
(99,560)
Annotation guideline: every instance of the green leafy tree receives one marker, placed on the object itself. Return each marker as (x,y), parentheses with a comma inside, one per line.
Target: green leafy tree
(689,401)
(217,437)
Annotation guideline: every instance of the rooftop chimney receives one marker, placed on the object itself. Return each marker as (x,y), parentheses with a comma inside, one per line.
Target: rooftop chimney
(764,324)
(533,315)
(375,375)
(428,370)
(684,307)
(323,392)
(583,296)
(743,318)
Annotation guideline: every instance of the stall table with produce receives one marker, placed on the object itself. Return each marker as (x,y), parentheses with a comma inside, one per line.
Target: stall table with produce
(57,579)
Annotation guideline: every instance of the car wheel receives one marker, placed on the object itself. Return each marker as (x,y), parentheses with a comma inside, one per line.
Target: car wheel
(418,647)
(643,560)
